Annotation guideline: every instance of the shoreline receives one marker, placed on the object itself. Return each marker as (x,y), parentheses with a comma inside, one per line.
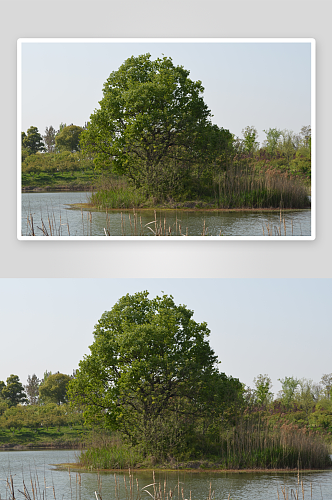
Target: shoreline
(187,469)
(90,207)
(55,189)
(42,446)
(183,207)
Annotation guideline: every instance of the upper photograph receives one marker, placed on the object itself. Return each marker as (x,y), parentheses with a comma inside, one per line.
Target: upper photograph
(186,139)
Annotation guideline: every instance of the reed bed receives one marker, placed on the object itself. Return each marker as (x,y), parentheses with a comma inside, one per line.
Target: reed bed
(249,188)
(236,187)
(260,446)
(248,445)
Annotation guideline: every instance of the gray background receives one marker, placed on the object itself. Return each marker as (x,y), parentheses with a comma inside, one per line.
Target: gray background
(159,18)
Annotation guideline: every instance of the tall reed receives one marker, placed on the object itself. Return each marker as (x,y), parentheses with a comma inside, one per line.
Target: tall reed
(116,193)
(258,445)
(249,188)
(248,445)
(109,452)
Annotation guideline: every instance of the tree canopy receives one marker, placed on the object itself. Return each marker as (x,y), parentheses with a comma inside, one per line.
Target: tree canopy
(32,388)
(151,370)
(49,138)
(68,138)
(54,388)
(151,111)
(32,141)
(13,391)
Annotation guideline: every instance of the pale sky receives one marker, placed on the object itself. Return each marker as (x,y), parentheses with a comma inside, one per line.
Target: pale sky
(278,327)
(265,85)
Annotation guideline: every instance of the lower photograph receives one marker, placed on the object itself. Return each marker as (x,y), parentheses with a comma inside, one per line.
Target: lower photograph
(130,389)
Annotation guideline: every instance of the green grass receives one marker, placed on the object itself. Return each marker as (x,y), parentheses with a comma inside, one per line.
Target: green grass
(53,436)
(84,180)
(121,197)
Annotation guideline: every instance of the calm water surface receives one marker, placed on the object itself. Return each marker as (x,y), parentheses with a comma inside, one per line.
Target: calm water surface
(52,212)
(39,467)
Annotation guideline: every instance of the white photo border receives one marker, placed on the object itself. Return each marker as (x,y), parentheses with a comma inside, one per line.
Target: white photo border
(312,41)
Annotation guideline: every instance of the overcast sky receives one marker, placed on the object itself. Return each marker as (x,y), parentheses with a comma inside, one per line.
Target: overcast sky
(279,327)
(265,85)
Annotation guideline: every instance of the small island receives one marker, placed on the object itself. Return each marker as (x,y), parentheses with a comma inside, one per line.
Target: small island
(150,396)
(152,144)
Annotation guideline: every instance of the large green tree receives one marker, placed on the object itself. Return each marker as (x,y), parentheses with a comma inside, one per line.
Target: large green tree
(151,371)
(13,393)
(151,112)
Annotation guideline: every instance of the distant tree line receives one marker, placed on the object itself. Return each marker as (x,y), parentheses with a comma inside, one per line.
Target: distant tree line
(52,388)
(300,401)
(53,141)
(40,404)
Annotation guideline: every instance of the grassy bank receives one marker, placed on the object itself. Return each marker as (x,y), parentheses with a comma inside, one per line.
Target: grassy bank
(53,437)
(61,181)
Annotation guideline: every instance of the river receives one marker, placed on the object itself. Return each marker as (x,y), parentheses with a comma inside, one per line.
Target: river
(52,215)
(36,466)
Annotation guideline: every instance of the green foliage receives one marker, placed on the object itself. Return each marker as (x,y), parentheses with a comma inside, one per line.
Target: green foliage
(301,163)
(326,381)
(306,136)
(250,143)
(289,386)
(151,115)
(322,416)
(68,138)
(54,388)
(49,139)
(263,395)
(108,451)
(41,425)
(2,386)
(54,165)
(307,395)
(151,373)
(118,197)
(32,142)
(288,145)
(272,140)
(13,393)
(32,388)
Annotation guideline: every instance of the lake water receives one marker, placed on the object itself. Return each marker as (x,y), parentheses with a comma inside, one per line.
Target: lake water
(39,467)
(52,216)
